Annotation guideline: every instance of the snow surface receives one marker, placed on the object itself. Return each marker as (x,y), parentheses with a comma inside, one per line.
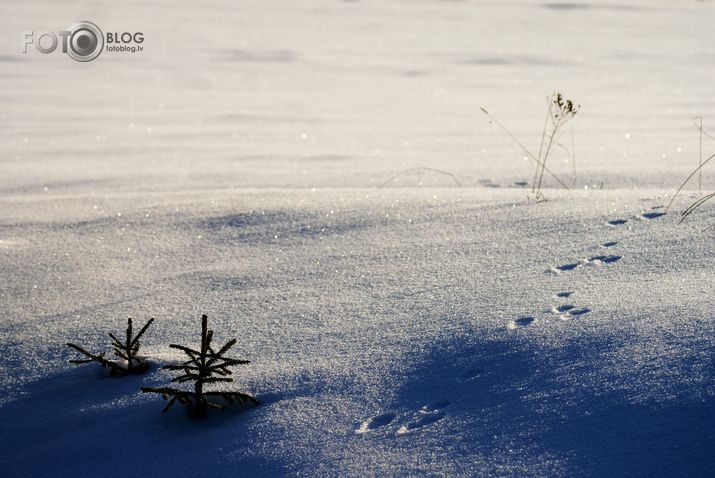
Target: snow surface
(232,169)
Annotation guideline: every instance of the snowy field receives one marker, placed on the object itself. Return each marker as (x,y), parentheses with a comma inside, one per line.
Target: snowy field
(234,167)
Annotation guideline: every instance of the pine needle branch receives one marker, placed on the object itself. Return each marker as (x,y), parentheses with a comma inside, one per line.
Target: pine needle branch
(188,351)
(204,367)
(223,350)
(94,358)
(141,332)
(126,351)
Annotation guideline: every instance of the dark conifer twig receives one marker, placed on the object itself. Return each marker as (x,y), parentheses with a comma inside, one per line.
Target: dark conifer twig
(203,367)
(127,351)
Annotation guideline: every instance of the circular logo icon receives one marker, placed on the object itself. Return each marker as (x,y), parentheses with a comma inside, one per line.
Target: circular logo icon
(85,41)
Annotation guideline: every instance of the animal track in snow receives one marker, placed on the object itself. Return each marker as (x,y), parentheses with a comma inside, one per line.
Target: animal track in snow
(592,261)
(617,222)
(428,414)
(470,374)
(520,322)
(420,423)
(652,215)
(604,259)
(567,267)
(609,244)
(558,309)
(375,422)
(563,294)
(564,267)
(574,312)
(577,312)
(434,406)
(568,311)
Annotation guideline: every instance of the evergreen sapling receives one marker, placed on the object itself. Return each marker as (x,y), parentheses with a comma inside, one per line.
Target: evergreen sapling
(204,366)
(129,361)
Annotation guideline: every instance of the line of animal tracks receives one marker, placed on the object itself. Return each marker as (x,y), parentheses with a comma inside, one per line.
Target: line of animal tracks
(564,306)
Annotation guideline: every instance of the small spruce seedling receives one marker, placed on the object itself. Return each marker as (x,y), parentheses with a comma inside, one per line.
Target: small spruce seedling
(127,351)
(205,366)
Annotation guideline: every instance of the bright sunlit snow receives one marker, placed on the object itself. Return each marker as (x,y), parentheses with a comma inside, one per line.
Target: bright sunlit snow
(318,178)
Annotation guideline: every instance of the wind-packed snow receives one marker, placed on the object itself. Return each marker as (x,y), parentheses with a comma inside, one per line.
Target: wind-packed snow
(416,329)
